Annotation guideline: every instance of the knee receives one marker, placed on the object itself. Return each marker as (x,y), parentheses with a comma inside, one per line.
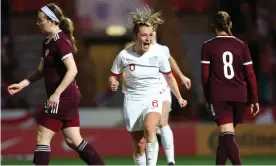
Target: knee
(42,139)
(150,130)
(164,122)
(70,143)
(139,148)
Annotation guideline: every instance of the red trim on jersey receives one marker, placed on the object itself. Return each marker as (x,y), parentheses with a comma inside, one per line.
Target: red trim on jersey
(166,72)
(204,79)
(114,74)
(252,84)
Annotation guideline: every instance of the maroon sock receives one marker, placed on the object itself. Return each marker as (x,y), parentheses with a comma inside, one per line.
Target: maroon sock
(221,156)
(88,154)
(231,147)
(42,155)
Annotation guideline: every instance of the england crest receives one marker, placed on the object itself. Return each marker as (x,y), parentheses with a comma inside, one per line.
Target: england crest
(153,61)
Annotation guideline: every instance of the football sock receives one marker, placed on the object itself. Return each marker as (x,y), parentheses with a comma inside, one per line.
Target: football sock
(231,147)
(167,142)
(221,156)
(42,155)
(88,154)
(152,149)
(140,160)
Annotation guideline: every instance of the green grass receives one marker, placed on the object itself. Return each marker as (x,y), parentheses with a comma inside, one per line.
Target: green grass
(196,160)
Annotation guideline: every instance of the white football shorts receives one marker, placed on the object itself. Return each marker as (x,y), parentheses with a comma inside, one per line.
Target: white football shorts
(136,110)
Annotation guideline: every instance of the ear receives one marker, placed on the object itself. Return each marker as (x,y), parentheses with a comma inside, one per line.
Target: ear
(230,25)
(134,36)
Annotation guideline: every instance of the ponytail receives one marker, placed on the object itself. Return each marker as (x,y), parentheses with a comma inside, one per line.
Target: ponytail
(226,29)
(221,22)
(67,26)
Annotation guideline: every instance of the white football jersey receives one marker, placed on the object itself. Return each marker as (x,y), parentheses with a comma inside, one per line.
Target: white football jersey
(142,73)
(166,53)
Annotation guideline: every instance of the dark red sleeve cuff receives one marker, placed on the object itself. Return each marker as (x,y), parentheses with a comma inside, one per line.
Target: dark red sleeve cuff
(166,72)
(115,74)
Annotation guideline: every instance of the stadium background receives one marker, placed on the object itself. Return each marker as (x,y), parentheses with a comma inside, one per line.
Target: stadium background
(102,30)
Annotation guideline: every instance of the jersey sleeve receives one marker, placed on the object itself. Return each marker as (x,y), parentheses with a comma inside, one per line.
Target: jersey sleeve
(65,48)
(167,52)
(246,56)
(205,59)
(117,66)
(164,66)
(251,78)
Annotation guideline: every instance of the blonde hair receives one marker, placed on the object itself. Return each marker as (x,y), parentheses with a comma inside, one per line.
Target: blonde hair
(66,24)
(130,44)
(145,17)
(221,22)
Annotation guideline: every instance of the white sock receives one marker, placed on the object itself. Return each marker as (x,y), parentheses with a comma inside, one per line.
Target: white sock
(167,142)
(140,160)
(152,152)
(158,131)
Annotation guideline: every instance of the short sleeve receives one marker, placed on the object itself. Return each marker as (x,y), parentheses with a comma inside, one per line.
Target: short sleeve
(117,67)
(246,56)
(164,66)
(64,48)
(167,52)
(205,59)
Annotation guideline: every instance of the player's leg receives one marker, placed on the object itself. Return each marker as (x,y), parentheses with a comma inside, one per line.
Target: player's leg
(73,138)
(139,147)
(166,133)
(46,130)
(227,143)
(134,124)
(151,121)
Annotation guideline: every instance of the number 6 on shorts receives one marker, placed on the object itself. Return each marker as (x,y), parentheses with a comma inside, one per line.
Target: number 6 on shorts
(154,103)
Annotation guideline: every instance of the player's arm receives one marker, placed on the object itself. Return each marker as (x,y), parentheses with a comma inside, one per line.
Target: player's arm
(115,73)
(251,79)
(65,51)
(37,75)
(166,70)
(70,74)
(205,72)
(185,80)
(172,84)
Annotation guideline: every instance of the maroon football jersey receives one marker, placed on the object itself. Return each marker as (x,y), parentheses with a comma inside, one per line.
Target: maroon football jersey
(55,50)
(227,57)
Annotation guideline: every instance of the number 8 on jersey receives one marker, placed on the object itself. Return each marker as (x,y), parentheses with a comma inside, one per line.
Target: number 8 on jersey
(228,67)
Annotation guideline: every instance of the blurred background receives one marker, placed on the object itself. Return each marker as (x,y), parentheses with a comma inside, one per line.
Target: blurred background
(102,30)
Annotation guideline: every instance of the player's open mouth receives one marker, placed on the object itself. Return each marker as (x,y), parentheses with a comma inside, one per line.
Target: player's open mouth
(146,45)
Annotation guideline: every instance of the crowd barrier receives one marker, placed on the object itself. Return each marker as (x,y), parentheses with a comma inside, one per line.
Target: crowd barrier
(189,139)
(252,139)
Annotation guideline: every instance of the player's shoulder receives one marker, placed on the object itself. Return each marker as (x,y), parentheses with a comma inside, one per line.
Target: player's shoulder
(222,39)
(160,46)
(218,38)
(126,52)
(60,37)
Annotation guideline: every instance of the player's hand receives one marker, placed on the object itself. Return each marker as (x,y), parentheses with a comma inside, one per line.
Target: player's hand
(14,88)
(52,103)
(182,102)
(114,84)
(186,81)
(255,109)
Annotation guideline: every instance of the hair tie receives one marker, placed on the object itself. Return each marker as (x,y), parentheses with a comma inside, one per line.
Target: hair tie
(50,13)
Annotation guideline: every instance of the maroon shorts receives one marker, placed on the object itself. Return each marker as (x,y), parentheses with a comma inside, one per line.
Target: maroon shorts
(67,116)
(228,112)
